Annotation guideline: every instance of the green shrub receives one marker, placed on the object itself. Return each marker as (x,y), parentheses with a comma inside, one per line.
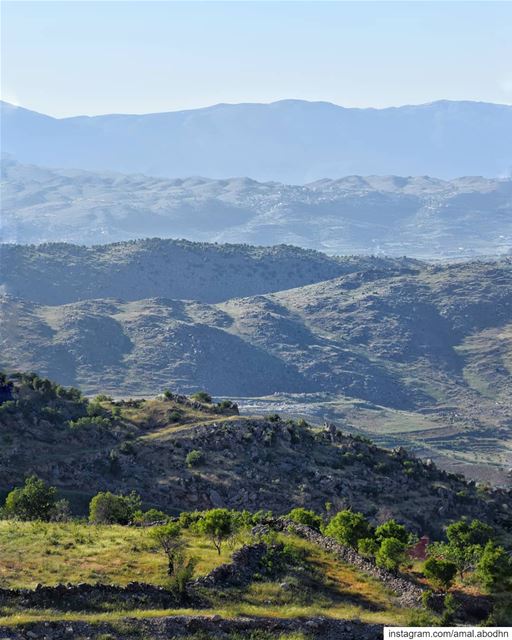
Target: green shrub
(440,572)
(149,516)
(494,567)
(306,517)
(391,554)
(34,501)
(202,396)
(367,547)
(449,609)
(194,458)
(348,527)
(109,508)
(392,529)
(90,422)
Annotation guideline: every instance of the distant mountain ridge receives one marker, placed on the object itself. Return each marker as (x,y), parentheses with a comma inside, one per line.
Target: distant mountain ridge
(417,216)
(290,141)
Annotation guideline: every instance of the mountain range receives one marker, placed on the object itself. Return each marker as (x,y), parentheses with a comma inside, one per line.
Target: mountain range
(387,215)
(291,141)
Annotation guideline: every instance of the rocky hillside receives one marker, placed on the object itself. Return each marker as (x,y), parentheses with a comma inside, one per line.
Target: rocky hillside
(242,462)
(415,216)
(61,273)
(411,353)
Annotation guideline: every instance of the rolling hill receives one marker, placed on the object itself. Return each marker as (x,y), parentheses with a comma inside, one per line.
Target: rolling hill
(415,216)
(404,351)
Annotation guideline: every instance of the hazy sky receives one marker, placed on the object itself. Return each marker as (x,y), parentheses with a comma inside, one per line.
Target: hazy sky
(68,58)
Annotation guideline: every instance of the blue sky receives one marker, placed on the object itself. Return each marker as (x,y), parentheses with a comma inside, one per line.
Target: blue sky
(69,58)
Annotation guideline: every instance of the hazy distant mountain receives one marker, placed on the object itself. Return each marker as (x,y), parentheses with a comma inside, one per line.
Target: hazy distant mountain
(290,141)
(423,217)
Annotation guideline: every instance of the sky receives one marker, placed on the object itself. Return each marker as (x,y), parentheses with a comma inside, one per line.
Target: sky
(69,58)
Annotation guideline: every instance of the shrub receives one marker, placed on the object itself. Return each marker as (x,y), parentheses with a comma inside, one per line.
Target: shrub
(149,516)
(449,609)
(194,458)
(179,568)
(440,572)
(367,547)
(494,567)
(392,529)
(61,511)
(202,396)
(109,508)
(102,398)
(391,554)
(168,537)
(348,527)
(307,517)
(34,501)
(90,421)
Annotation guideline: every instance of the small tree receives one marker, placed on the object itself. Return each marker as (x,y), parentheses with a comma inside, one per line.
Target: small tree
(169,538)
(440,572)
(391,554)
(494,567)
(217,524)
(307,517)
(179,568)
(391,529)
(109,508)
(465,544)
(348,527)
(34,501)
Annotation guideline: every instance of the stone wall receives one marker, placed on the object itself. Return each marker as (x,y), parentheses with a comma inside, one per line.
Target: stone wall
(86,595)
(409,593)
(213,626)
(244,563)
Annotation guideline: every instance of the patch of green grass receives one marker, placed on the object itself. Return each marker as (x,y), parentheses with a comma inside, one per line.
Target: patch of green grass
(49,553)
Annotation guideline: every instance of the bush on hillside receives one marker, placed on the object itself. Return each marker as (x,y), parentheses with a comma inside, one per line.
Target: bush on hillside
(348,527)
(109,508)
(306,517)
(440,572)
(194,458)
(34,501)
(391,554)
(202,396)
